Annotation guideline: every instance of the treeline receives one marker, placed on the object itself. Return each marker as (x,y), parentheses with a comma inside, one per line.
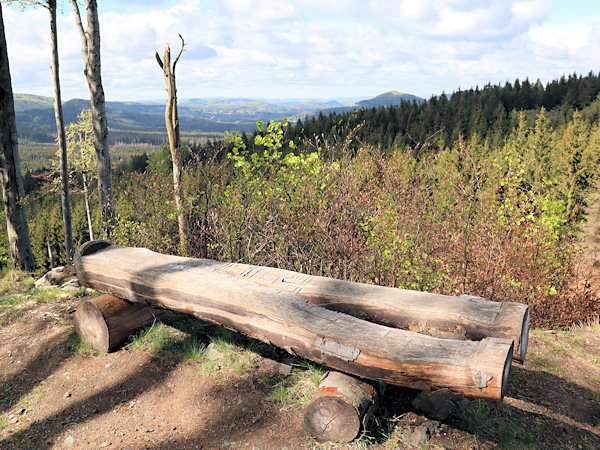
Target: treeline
(491,112)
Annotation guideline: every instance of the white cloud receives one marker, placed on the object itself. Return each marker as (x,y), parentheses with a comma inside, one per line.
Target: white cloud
(310,48)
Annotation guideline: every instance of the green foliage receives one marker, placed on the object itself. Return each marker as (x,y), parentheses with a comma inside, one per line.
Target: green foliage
(81,154)
(473,217)
(161,161)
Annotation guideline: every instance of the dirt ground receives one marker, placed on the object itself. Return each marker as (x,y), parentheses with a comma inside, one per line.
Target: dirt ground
(53,396)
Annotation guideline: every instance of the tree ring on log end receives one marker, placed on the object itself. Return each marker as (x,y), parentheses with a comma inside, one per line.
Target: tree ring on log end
(524,342)
(506,371)
(91,326)
(90,247)
(330,418)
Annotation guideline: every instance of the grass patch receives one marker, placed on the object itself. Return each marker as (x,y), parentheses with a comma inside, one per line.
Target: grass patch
(46,295)
(26,400)
(77,345)
(8,395)
(15,282)
(300,386)
(193,350)
(154,339)
(475,418)
(229,350)
(11,308)
(592,324)
(538,360)
(511,436)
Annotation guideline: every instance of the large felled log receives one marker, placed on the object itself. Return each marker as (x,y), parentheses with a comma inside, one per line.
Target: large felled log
(401,308)
(339,408)
(342,342)
(106,321)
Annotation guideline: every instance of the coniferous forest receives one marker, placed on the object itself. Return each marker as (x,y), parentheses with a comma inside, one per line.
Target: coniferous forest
(480,192)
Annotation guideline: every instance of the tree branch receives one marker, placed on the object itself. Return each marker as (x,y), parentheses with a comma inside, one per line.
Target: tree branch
(158,60)
(84,47)
(178,54)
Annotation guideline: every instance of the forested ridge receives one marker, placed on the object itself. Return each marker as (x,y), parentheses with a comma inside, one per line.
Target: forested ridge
(481,193)
(491,112)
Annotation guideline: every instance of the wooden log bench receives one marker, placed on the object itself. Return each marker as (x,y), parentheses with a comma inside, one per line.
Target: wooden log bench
(343,342)
(401,308)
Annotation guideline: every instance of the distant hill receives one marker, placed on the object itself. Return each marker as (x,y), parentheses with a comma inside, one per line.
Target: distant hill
(24,102)
(35,115)
(389,98)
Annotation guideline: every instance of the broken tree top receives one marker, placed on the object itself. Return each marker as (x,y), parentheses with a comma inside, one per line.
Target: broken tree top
(257,306)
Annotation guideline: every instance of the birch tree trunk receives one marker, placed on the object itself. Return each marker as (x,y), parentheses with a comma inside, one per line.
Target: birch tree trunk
(88,208)
(60,130)
(90,51)
(10,169)
(172,124)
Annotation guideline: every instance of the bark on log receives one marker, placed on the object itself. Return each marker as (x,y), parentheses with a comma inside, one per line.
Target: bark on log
(401,308)
(106,321)
(342,342)
(339,408)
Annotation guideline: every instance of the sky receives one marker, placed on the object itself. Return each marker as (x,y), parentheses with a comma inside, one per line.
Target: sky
(319,49)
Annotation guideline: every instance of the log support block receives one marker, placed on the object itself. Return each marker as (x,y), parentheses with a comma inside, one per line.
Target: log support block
(340,408)
(106,321)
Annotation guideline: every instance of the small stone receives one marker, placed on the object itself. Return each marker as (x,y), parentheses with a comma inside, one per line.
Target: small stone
(14,419)
(66,395)
(212,354)
(109,366)
(71,284)
(69,441)
(104,444)
(435,406)
(285,366)
(420,435)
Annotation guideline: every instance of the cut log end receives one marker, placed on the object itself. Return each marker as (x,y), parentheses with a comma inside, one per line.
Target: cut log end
(91,326)
(105,322)
(524,338)
(505,374)
(338,410)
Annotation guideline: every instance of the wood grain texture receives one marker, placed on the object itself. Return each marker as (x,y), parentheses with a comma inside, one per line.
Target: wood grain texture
(340,341)
(401,308)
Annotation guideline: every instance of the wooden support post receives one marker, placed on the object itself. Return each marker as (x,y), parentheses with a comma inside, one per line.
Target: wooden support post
(106,321)
(340,408)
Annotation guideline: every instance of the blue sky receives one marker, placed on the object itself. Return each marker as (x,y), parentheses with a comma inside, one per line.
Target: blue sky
(309,48)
